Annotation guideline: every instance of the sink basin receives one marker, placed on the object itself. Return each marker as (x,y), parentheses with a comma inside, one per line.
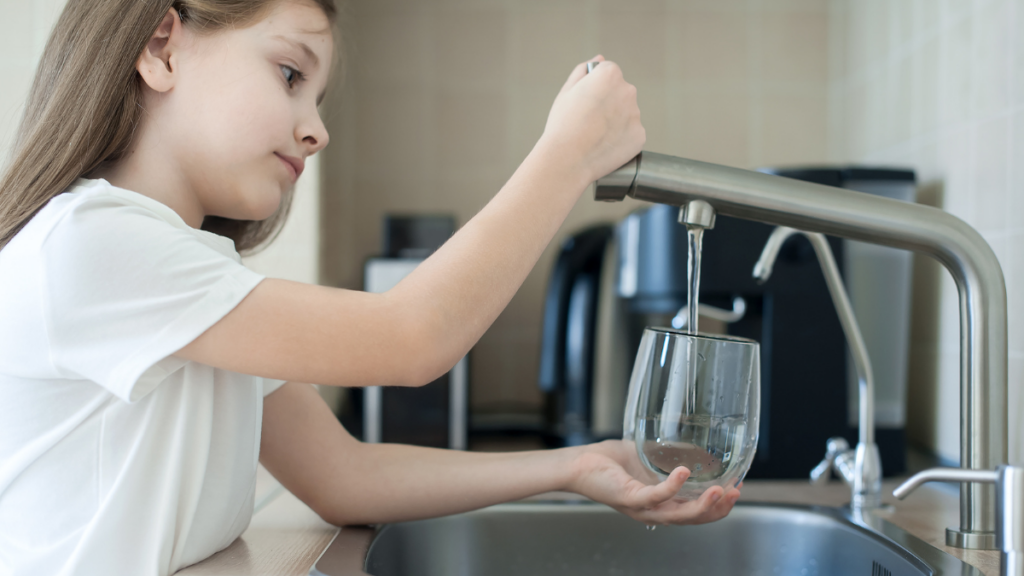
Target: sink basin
(584,538)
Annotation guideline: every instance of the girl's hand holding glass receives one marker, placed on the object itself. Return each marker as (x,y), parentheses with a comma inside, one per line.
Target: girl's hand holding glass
(610,473)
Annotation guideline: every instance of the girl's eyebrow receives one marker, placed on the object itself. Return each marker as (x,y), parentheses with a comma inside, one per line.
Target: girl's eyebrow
(302,46)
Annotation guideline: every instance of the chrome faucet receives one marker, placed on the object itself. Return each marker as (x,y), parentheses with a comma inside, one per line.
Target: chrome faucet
(860,468)
(781,201)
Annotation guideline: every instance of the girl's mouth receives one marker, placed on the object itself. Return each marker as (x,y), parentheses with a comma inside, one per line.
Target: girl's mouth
(293,164)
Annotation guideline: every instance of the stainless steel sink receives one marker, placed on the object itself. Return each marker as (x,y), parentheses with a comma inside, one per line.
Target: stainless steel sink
(583,538)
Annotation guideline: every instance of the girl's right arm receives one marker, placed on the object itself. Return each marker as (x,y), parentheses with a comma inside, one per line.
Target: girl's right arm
(418,330)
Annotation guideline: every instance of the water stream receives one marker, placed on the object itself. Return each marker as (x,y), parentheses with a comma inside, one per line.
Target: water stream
(695,240)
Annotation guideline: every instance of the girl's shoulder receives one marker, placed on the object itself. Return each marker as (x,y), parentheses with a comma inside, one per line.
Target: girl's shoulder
(94,208)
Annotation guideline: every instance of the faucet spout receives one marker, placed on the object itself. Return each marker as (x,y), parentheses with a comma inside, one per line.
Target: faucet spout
(969,259)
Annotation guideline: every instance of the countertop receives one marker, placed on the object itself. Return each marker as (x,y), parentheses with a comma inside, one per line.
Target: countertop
(285,538)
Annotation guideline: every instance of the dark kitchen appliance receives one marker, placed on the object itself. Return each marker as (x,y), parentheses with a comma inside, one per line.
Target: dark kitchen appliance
(432,415)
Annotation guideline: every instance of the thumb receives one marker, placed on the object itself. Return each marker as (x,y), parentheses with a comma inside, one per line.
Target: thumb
(651,496)
(578,73)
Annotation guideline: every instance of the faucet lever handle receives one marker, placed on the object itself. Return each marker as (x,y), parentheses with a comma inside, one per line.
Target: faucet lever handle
(944,475)
(1009,481)
(834,448)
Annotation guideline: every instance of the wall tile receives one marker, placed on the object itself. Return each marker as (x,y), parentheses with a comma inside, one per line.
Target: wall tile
(955,48)
(876,38)
(713,47)
(18,36)
(471,131)
(393,123)
(820,6)
(947,422)
(653,102)
(924,87)
(1016,188)
(990,62)
(547,45)
(1015,407)
(857,27)
(361,8)
(855,104)
(902,33)
(617,37)
(706,5)
(464,194)
(925,18)
(788,134)
(922,374)
(399,44)
(1017,54)
(528,107)
(631,6)
(785,38)
(1013,268)
(471,47)
(714,127)
(899,104)
(989,168)
(17,82)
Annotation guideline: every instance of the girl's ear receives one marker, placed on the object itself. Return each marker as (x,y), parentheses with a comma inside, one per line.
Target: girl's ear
(159,60)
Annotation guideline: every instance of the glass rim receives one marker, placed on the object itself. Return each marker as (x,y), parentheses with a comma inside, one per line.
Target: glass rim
(703,335)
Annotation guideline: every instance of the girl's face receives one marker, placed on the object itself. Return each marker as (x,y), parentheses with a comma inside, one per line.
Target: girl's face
(242,116)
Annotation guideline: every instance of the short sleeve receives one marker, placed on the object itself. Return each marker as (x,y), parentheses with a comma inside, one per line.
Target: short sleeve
(125,288)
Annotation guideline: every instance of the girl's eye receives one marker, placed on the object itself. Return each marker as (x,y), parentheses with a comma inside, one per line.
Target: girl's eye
(291,75)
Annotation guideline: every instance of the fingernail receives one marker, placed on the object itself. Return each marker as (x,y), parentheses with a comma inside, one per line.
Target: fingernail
(716,497)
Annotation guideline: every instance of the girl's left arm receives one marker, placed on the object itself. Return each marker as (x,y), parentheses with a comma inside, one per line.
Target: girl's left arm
(348,482)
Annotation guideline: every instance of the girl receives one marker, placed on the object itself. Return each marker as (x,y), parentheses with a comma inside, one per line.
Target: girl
(144,370)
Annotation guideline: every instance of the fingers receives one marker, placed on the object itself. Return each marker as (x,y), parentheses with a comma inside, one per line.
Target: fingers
(579,72)
(651,496)
(714,504)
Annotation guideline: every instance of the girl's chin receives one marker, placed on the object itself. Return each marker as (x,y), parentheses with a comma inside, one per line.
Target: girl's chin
(267,204)
(258,208)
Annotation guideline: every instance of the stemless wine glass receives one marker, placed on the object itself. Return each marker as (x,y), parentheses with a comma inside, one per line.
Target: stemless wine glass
(694,400)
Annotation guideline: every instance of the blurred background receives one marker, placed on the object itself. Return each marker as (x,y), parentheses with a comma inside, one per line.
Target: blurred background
(440,101)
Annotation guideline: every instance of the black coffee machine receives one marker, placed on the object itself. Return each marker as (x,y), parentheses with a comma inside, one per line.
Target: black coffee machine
(804,371)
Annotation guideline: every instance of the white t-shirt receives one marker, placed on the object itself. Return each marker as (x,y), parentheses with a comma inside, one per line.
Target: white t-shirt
(115,456)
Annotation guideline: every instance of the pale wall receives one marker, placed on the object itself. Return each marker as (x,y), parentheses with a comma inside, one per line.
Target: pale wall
(939,86)
(24,29)
(445,99)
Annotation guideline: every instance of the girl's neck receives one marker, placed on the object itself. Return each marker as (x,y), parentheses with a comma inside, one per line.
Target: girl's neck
(147,170)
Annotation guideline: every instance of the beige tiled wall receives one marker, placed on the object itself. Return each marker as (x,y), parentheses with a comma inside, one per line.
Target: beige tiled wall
(444,98)
(939,86)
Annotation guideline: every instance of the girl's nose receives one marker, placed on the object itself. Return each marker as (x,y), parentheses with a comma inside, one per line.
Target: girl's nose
(312,133)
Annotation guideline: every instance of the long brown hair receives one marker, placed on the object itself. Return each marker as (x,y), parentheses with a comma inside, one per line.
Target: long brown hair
(86,102)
